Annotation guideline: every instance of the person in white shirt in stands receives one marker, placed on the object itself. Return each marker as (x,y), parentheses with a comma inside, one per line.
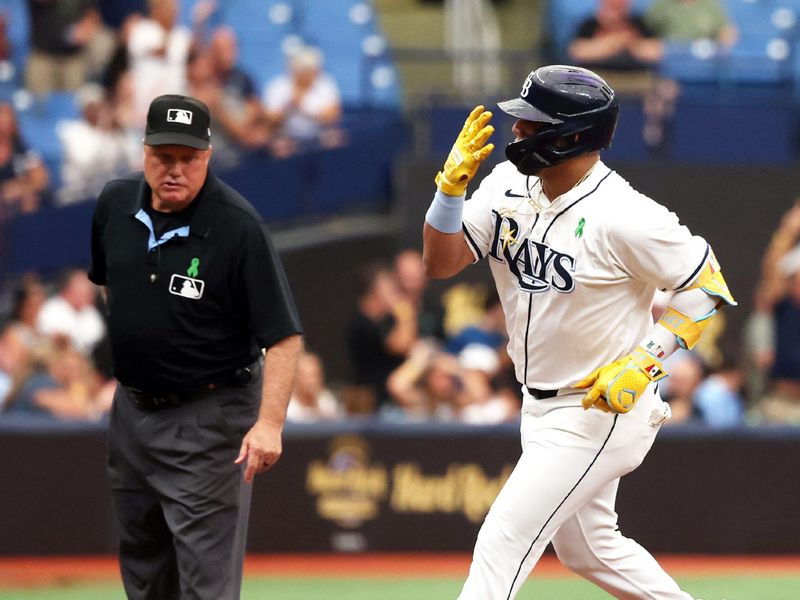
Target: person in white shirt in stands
(72,315)
(95,147)
(311,401)
(303,105)
(158,48)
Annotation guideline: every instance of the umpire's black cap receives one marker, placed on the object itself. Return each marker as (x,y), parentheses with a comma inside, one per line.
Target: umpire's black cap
(179,120)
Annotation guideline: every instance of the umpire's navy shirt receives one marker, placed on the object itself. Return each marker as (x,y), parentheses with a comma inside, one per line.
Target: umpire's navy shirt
(191,306)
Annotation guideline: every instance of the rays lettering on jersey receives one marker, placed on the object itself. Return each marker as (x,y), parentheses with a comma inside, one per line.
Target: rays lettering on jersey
(537,266)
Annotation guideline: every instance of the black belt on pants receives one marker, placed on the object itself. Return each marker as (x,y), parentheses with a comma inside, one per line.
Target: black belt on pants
(541,394)
(147,400)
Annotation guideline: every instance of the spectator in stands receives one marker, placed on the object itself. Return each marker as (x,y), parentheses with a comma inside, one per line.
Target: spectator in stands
(690,20)
(61,31)
(685,375)
(718,400)
(96,148)
(311,400)
(780,285)
(238,117)
(71,317)
(430,384)
(236,109)
(158,49)
(7,68)
(23,176)
(488,330)
(303,105)
(67,387)
(682,22)
(14,364)
(615,39)
(28,298)
(758,346)
(410,274)
(382,331)
(481,365)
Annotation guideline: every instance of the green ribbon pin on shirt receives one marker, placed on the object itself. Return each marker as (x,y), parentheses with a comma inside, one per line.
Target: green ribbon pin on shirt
(192,271)
(579,230)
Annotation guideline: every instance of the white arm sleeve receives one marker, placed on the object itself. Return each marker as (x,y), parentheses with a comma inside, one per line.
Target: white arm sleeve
(696,304)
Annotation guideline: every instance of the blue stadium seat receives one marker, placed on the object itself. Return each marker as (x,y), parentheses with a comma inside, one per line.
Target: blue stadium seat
(698,62)
(764,17)
(758,59)
(262,27)
(356,54)
(18,34)
(38,121)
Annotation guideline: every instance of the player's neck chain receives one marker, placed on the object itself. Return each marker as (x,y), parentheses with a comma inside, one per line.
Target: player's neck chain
(534,202)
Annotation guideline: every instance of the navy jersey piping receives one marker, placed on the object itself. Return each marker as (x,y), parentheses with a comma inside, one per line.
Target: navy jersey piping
(691,277)
(472,242)
(586,195)
(527,330)
(530,300)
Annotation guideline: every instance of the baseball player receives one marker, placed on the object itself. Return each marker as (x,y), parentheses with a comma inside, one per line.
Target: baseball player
(576,254)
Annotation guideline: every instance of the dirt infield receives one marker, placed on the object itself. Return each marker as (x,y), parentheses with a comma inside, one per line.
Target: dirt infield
(25,571)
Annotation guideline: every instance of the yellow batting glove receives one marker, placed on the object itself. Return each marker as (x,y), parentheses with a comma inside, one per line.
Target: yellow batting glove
(467,154)
(617,386)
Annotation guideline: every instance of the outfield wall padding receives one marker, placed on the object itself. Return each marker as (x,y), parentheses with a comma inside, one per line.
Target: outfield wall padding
(381,487)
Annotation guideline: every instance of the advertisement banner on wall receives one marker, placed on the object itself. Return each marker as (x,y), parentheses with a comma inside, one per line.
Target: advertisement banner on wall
(357,493)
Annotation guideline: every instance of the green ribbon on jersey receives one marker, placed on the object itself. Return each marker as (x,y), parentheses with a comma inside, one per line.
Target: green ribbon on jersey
(193,271)
(579,230)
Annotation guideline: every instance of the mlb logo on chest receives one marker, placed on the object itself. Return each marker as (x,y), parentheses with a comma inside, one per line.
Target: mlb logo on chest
(179,115)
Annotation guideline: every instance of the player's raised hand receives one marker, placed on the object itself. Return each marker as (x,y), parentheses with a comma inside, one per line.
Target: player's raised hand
(467,154)
(617,386)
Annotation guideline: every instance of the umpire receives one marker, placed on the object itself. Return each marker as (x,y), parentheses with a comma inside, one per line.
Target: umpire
(195,291)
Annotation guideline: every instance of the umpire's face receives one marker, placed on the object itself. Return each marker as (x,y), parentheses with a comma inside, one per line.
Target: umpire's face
(175,174)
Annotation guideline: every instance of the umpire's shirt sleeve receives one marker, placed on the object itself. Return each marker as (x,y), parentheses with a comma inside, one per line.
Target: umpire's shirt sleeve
(270,306)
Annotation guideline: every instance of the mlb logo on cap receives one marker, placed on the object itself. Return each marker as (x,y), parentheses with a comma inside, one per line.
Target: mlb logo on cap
(177,115)
(178,120)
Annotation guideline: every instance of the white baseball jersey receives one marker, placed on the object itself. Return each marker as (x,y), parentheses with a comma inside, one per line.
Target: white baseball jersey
(576,277)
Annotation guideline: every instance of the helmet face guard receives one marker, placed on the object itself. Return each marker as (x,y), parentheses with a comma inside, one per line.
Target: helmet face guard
(554,144)
(578,110)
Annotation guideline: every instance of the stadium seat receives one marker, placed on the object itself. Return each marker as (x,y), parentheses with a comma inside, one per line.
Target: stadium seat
(758,59)
(18,34)
(339,28)
(265,28)
(38,120)
(764,17)
(698,62)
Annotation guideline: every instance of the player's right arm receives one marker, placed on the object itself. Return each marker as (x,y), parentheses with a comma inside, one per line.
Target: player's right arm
(445,250)
(444,254)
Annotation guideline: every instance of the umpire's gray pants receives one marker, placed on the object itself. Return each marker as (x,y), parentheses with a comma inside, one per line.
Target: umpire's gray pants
(180,503)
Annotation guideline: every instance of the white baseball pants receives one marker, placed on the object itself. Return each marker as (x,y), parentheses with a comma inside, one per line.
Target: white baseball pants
(563,490)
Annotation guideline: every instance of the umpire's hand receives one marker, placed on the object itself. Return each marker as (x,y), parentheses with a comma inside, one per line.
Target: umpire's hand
(261,447)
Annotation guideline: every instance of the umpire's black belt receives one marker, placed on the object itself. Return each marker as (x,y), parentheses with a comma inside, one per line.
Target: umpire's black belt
(541,394)
(147,400)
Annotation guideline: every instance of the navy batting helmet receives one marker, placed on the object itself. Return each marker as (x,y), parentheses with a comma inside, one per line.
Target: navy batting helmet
(579,111)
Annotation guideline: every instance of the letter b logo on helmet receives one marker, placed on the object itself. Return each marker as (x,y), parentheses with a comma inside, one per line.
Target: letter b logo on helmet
(579,111)
(526,86)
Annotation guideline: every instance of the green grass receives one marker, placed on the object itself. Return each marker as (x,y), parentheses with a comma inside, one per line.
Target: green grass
(317,588)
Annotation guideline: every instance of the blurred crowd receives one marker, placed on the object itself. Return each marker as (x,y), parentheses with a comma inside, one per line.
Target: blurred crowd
(112,73)
(618,39)
(415,355)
